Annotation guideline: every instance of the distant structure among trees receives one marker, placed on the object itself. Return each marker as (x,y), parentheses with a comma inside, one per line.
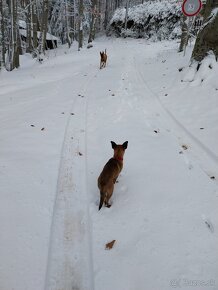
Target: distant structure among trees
(51,41)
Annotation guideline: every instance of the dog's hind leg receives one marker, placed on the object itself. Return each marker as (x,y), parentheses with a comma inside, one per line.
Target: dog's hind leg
(108,196)
(102,200)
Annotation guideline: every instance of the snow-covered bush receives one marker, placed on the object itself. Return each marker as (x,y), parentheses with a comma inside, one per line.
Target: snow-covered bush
(155,20)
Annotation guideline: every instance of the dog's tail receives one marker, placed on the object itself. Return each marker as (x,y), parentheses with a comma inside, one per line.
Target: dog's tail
(102,198)
(105,51)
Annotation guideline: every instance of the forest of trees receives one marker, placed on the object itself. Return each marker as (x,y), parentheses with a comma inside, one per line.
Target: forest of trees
(66,21)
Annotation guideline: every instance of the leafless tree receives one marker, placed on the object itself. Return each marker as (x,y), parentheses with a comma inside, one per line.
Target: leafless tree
(2,35)
(43,28)
(184,36)
(13,51)
(80,25)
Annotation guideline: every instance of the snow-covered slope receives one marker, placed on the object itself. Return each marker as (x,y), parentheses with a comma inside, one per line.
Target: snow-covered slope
(156,20)
(57,121)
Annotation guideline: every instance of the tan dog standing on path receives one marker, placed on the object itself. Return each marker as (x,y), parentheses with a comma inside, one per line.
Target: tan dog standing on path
(103,59)
(110,172)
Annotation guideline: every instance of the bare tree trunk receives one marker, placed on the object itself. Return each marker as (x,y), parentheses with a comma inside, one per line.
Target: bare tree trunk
(44,28)
(17,45)
(126,16)
(13,49)
(80,34)
(67,24)
(207,39)
(34,28)
(106,14)
(18,50)
(184,36)
(117,4)
(93,21)
(45,24)
(2,40)
(74,19)
(71,21)
(28,28)
(99,20)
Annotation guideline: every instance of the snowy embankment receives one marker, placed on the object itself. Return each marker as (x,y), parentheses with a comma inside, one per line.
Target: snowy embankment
(57,121)
(154,20)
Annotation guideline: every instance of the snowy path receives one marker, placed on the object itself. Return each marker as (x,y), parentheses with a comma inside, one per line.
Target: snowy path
(164,212)
(70,231)
(162,201)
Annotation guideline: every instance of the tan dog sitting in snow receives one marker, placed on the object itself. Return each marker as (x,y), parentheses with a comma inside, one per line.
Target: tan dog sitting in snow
(110,173)
(103,59)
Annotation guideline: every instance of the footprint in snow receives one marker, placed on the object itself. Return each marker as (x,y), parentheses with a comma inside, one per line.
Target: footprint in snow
(208,223)
(184,146)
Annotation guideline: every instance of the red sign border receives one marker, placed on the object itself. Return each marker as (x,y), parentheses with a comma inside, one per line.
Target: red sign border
(190,15)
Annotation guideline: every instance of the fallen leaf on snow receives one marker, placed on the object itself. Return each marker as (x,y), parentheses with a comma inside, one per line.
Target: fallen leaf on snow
(110,245)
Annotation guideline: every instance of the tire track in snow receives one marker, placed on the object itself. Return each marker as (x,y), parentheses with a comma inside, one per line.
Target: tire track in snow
(204,154)
(70,265)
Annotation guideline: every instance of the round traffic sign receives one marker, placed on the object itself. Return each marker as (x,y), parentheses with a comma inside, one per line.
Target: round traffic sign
(191,7)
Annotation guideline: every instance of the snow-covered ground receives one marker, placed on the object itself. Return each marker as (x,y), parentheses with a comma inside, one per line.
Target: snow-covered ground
(57,120)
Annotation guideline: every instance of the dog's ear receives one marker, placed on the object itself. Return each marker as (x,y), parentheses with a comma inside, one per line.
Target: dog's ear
(113,144)
(125,144)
